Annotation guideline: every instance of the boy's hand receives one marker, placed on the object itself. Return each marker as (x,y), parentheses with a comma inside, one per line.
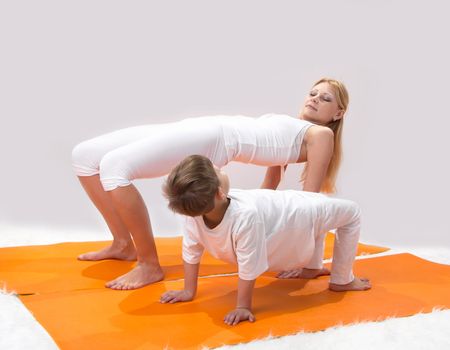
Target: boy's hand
(238,315)
(174,296)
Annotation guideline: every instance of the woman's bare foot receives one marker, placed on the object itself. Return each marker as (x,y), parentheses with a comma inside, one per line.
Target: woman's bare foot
(304,273)
(356,284)
(140,276)
(114,251)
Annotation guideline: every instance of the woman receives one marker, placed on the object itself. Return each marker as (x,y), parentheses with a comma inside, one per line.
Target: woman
(106,165)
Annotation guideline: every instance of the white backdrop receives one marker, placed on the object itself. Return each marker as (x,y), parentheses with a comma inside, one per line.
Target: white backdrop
(70,70)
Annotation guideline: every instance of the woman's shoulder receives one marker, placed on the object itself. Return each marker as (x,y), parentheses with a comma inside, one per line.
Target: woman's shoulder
(316,132)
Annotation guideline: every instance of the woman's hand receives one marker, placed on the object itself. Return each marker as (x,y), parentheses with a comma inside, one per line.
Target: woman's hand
(238,315)
(175,296)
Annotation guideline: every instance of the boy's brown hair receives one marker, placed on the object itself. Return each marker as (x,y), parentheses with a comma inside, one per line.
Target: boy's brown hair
(191,186)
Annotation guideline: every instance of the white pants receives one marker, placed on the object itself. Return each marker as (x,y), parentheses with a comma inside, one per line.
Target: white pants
(146,151)
(344,216)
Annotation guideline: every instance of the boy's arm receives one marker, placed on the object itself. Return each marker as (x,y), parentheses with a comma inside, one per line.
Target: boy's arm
(190,286)
(243,309)
(251,257)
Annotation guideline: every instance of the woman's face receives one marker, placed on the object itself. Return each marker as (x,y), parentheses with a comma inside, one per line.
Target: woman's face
(321,106)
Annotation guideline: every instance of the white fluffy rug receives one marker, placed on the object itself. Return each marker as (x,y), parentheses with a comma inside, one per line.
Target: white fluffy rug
(19,330)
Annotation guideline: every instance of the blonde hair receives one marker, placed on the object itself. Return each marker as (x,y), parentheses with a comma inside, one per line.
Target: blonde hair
(342,99)
(191,186)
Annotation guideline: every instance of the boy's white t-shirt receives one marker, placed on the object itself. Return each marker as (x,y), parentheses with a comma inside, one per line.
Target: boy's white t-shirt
(261,230)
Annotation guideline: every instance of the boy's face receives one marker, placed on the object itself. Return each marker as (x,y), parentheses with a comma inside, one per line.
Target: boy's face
(223,179)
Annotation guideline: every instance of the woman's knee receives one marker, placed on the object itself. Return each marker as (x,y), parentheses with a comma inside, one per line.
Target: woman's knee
(84,161)
(114,172)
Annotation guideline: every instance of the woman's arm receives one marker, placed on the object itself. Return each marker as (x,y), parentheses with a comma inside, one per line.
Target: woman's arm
(319,143)
(273,177)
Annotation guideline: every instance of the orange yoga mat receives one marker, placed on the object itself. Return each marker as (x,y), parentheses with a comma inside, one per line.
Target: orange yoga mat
(52,268)
(402,285)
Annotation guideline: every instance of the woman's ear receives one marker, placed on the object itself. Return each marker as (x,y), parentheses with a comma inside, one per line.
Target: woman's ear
(338,115)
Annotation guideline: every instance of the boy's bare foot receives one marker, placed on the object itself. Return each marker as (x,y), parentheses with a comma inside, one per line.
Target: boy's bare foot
(304,273)
(356,284)
(114,251)
(140,276)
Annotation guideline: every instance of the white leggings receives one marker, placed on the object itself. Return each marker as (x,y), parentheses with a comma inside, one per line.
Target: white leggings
(344,216)
(146,151)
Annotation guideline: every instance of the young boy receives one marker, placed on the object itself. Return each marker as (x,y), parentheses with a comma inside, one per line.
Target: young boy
(259,230)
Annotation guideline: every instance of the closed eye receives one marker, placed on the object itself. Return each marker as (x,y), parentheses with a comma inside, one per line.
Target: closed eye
(323,97)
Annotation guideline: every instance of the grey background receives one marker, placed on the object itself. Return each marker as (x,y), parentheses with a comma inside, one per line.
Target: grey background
(70,70)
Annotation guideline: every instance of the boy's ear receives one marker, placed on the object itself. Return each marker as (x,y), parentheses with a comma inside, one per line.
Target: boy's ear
(220,194)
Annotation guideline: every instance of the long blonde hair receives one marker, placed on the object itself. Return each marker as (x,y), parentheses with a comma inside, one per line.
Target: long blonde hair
(342,99)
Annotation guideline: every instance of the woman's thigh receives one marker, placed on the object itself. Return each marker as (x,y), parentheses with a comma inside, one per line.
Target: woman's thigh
(157,153)
(87,155)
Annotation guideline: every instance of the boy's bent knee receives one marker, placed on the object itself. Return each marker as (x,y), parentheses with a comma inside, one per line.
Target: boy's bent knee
(356,210)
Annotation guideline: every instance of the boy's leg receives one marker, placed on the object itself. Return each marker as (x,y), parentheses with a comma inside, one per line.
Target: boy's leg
(314,268)
(345,217)
(316,262)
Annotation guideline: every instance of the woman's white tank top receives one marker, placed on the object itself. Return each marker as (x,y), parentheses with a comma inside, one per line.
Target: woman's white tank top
(272,139)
